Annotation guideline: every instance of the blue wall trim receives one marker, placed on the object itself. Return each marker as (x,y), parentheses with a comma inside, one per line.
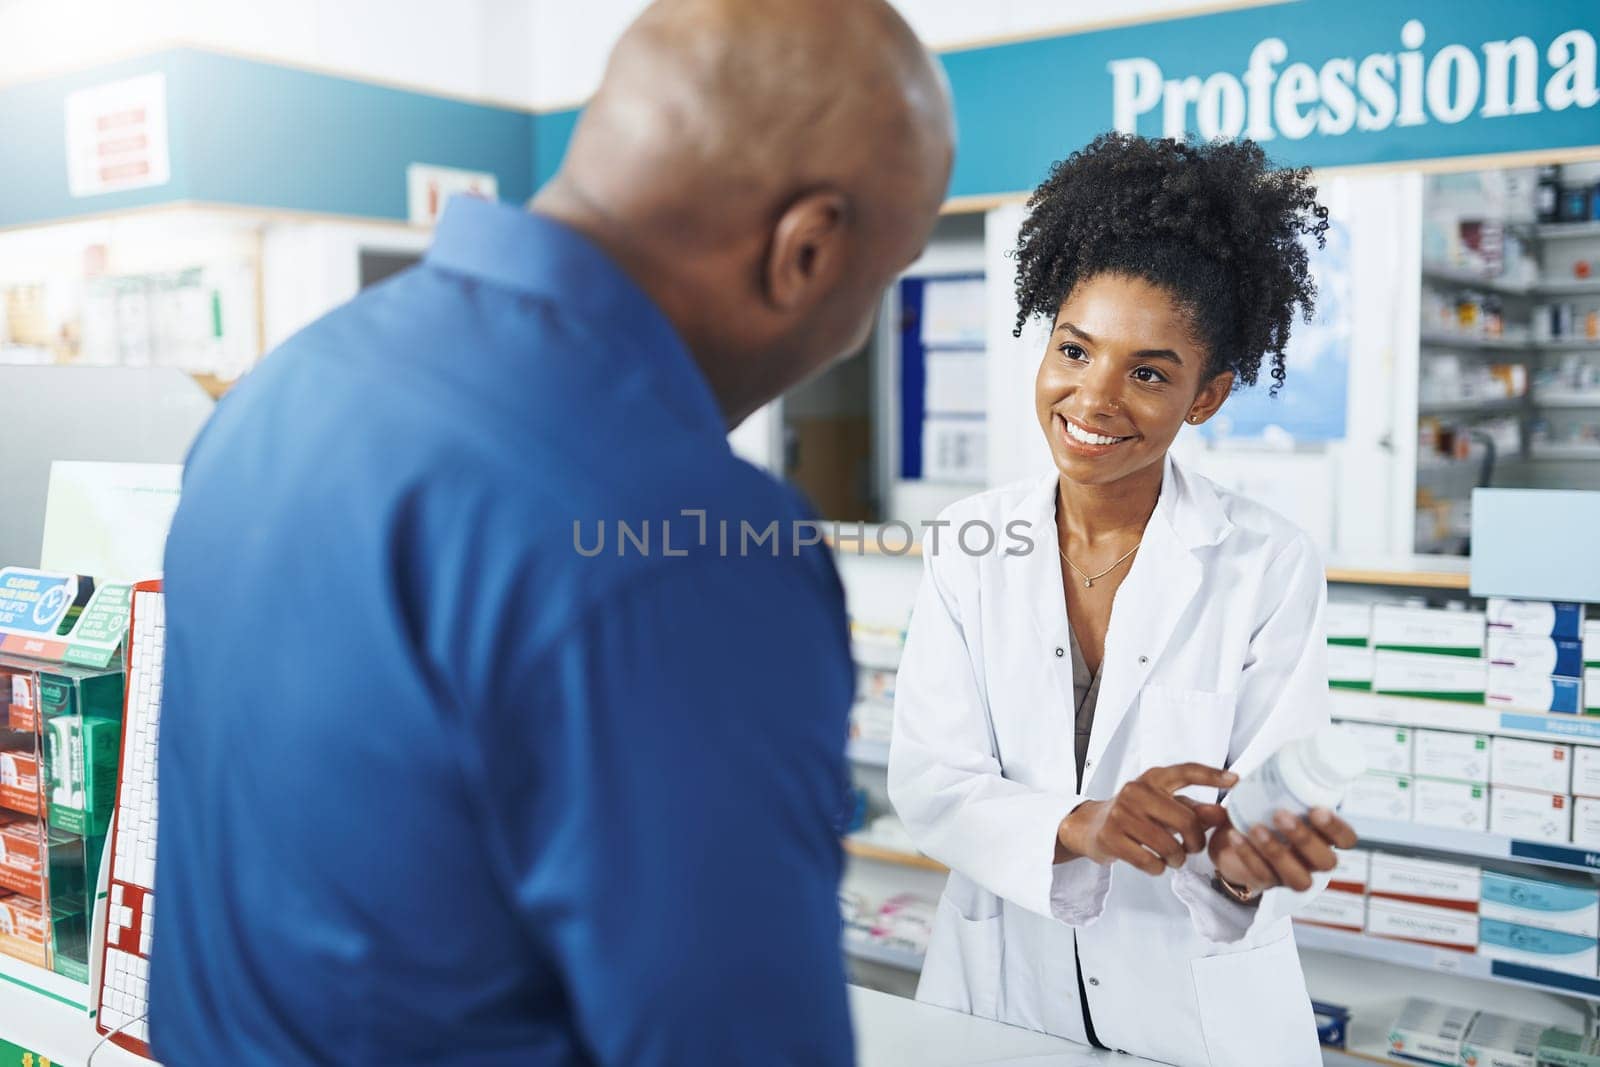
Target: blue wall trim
(315,142)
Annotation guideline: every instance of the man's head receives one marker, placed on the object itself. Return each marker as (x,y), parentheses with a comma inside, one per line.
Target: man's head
(763,168)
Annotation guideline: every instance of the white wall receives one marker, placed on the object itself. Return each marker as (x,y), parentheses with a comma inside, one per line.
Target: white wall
(570,41)
(478,48)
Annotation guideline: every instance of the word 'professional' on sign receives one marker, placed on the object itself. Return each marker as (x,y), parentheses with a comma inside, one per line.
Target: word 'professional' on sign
(1384,89)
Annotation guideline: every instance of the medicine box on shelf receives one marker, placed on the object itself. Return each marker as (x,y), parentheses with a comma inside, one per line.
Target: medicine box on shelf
(1428,1032)
(1534,947)
(1348,624)
(1450,803)
(1435,677)
(1350,668)
(1536,765)
(1448,754)
(1586,822)
(1432,882)
(1560,906)
(1379,796)
(1531,816)
(1424,924)
(1538,656)
(1501,1041)
(1530,692)
(1534,618)
(1388,748)
(1428,630)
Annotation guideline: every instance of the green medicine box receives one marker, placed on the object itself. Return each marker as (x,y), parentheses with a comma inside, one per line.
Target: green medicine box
(81,720)
(1561,1048)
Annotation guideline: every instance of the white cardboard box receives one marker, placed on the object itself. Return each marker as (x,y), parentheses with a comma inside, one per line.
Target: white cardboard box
(1448,754)
(1428,629)
(1536,765)
(1531,816)
(1388,748)
(1431,882)
(1591,690)
(1353,870)
(1585,771)
(1501,1041)
(1534,618)
(1424,923)
(1348,624)
(1433,677)
(1379,796)
(1586,822)
(1542,656)
(1350,668)
(1532,692)
(1336,908)
(1427,1032)
(1447,802)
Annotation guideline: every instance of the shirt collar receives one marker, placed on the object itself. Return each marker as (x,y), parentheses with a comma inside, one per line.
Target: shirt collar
(509,246)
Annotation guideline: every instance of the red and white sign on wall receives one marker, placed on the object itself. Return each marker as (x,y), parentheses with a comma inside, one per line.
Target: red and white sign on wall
(428,187)
(117,136)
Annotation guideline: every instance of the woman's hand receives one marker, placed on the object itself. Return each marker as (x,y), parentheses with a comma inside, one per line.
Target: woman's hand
(1146,824)
(1262,860)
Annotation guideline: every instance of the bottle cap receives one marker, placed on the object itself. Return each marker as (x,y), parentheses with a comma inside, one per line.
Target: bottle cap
(1333,757)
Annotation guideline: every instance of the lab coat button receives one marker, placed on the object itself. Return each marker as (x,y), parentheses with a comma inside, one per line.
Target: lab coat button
(1094,981)
(1143,660)
(1060,652)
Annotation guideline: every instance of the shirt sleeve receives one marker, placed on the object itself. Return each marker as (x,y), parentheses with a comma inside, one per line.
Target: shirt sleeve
(1283,695)
(947,784)
(662,787)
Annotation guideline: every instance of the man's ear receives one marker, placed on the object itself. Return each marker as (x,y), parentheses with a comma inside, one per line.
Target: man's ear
(1212,395)
(807,254)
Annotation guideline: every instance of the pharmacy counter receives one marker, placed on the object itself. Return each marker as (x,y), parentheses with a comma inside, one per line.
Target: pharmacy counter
(895,1032)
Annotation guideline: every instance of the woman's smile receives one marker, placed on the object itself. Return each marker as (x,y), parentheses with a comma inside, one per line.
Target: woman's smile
(1085,441)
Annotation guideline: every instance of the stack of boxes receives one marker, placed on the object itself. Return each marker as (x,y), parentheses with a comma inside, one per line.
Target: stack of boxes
(1462,907)
(1591,667)
(1425,1031)
(1532,796)
(60,729)
(1425,652)
(1535,655)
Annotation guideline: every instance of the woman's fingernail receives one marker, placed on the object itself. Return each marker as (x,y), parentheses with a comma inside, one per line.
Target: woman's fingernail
(1283,821)
(1321,816)
(1259,835)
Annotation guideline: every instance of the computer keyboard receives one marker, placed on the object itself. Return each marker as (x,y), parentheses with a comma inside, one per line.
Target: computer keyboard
(125,970)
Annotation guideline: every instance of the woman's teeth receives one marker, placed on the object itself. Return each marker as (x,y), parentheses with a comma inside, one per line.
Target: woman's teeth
(1078,434)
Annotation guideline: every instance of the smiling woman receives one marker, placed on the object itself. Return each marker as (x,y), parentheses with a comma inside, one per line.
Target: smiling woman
(1169,272)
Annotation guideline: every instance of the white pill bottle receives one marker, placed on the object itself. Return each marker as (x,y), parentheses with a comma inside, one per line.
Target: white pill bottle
(1312,772)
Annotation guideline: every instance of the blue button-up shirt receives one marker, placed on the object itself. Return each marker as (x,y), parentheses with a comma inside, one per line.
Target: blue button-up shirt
(464,759)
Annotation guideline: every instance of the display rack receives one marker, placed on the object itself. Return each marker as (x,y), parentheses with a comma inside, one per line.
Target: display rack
(887,955)
(869,851)
(1464,718)
(1444,961)
(1475,843)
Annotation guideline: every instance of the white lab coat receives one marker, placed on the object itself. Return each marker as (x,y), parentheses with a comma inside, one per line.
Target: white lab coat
(1215,653)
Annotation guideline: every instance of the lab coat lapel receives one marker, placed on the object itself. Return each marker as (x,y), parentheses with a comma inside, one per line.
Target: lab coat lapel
(1152,600)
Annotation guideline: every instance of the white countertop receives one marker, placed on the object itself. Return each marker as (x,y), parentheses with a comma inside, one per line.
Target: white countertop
(890,1032)
(895,1032)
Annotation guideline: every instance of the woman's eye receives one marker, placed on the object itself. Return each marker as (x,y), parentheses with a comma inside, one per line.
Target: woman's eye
(1073,352)
(1149,374)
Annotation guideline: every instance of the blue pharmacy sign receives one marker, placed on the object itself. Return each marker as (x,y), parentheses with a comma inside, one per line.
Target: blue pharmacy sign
(34,602)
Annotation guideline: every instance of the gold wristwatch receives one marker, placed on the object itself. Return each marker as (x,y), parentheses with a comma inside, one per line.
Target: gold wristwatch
(1236,893)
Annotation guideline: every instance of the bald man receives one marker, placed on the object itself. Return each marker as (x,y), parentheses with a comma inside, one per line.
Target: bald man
(505,706)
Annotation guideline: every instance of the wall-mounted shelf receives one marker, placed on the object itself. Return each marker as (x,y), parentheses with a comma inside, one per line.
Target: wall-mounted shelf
(1472,843)
(1554,452)
(1577,344)
(1434,339)
(1444,961)
(1568,400)
(1405,572)
(868,851)
(1466,279)
(1487,405)
(1569,287)
(1560,230)
(1465,718)
(887,955)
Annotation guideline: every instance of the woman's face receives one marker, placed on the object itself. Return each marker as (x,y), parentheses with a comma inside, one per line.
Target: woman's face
(1120,376)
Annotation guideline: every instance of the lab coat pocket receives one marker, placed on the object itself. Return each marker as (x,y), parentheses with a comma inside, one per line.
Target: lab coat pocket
(1185,726)
(962,970)
(1254,1010)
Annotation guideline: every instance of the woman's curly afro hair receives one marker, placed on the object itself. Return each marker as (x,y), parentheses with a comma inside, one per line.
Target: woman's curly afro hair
(1213,224)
